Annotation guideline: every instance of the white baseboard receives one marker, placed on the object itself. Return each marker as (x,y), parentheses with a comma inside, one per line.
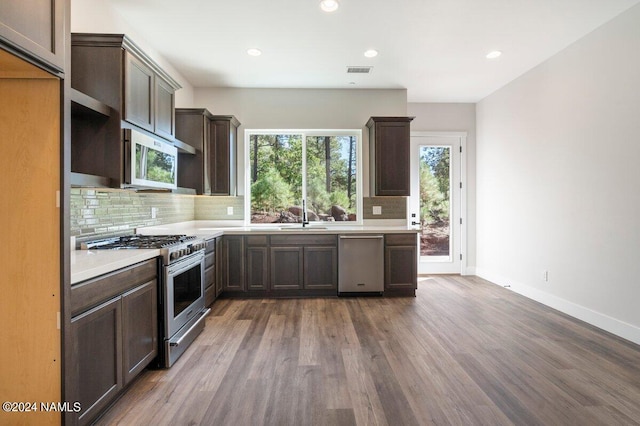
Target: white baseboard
(597,319)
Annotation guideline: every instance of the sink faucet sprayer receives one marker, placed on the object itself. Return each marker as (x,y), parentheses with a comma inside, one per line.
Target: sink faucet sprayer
(305,220)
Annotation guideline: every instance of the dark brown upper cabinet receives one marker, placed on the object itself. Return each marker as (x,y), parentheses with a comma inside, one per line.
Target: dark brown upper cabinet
(115,85)
(114,70)
(212,170)
(389,154)
(34,30)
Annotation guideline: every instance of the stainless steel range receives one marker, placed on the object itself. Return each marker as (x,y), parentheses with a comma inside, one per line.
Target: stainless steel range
(182,310)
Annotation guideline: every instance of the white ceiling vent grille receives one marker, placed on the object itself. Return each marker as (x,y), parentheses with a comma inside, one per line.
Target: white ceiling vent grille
(359,70)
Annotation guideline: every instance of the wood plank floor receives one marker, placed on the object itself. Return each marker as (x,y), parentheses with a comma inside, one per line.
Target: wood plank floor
(463,352)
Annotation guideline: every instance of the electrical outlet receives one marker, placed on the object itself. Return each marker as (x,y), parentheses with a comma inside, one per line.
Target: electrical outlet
(545,276)
(377,209)
(229,210)
(154,212)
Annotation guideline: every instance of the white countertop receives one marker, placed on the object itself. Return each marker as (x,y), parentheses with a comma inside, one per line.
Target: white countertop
(87,264)
(208,228)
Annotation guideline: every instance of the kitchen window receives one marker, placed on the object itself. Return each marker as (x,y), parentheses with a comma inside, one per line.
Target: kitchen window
(288,170)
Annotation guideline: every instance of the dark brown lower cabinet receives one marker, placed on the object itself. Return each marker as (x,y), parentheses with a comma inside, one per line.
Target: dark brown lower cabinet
(257,268)
(139,329)
(114,336)
(233,263)
(96,337)
(286,268)
(400,264)
(210,272)
(321,268)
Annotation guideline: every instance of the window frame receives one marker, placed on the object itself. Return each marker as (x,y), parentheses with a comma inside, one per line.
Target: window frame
(304,133)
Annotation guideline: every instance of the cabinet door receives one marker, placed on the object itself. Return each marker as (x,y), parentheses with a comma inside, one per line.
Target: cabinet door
(257,268)
(233,254)
(97,358)
(400,267)
(139,328)
(320,268)
(138,93)
(35,27)
(392,159)
(219,157)
(389,139)
(164,113)
(286,268)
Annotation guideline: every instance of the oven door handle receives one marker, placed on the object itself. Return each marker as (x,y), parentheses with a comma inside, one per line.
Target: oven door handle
(203,315)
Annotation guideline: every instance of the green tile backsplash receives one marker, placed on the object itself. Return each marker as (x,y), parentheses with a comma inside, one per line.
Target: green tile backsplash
(392,207)
(97,213)
(103,212)
(215,208)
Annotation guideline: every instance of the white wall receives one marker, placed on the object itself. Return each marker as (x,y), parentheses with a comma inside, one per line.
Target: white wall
(98,16)
(302,109)
(558,180)
(454,117)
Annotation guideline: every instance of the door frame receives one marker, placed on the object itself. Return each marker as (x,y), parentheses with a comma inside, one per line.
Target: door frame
(461,213)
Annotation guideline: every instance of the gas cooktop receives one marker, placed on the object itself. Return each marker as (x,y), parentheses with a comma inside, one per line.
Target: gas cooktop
(138,242)
(172,247)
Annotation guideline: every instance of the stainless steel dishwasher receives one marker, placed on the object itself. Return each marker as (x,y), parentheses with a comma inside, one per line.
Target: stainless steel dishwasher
(360,264)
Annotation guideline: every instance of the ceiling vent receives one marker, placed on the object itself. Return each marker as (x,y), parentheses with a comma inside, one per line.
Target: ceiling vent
(359,70)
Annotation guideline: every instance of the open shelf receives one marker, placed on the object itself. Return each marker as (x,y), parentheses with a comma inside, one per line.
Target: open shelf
(82,104)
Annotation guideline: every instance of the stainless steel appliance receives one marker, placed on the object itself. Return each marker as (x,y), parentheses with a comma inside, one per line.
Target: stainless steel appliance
(149,162)
(361,264)
(182,306)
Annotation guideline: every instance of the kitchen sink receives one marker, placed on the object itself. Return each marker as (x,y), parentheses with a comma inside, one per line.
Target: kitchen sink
(301,228)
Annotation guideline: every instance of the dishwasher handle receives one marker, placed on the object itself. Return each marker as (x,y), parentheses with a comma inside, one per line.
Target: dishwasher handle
(361,237)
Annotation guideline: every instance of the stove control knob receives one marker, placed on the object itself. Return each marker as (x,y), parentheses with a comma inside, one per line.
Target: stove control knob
(173,255)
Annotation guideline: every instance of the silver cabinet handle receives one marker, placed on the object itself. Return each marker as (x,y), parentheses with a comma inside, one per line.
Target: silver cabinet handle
(361,237)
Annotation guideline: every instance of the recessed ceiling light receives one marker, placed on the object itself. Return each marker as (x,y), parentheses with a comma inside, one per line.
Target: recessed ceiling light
(254,52)
(352,82)
(371,53)
(494,54)
(329,5)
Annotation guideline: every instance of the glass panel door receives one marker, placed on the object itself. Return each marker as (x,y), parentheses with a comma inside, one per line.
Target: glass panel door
(436,202)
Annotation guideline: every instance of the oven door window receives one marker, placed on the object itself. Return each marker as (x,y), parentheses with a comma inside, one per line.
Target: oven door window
(187,288)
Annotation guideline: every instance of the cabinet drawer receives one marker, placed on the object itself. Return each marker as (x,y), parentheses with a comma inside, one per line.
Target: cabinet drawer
(209,260)
(210,246)
(209,277)
(92,292)
(400,239)
(257,240)
(319,240)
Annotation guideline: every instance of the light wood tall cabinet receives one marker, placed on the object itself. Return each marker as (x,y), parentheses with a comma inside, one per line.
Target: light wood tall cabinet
(30,306)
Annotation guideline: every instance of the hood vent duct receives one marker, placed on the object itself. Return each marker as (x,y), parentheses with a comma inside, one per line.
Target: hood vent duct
(359,70)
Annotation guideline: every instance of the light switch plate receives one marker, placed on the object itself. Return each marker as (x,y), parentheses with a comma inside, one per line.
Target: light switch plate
(377,209)
(230,210)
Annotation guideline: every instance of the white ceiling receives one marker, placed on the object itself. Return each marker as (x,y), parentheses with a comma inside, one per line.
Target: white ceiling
(434,48)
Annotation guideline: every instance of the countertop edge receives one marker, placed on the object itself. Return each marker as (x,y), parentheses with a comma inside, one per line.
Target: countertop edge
(89,264)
